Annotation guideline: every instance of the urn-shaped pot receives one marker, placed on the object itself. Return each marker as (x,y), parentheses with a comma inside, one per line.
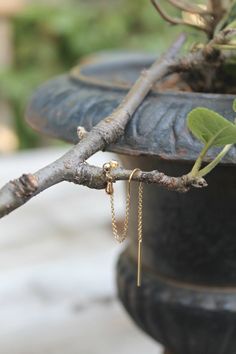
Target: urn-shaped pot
(187,300)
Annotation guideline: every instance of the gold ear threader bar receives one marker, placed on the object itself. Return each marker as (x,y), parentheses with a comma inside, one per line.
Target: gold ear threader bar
(107,168)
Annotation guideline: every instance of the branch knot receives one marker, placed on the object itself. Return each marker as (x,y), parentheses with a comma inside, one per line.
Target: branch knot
(25,186)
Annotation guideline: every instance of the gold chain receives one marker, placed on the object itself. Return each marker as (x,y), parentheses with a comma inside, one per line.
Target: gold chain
(140,231)
(120,238)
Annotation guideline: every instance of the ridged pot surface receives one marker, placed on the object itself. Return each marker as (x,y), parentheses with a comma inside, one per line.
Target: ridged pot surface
(92,91)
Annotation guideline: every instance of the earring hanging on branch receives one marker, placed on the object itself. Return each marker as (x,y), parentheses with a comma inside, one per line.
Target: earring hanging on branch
(107,168)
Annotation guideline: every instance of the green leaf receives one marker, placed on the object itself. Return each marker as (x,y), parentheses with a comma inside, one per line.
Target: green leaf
(234,105)
(211,128)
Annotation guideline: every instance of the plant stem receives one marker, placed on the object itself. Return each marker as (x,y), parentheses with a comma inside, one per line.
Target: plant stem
(196,167)
(204,171)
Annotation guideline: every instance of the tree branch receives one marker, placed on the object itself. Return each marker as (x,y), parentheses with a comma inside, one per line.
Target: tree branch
(67,168)
(18,192)
(94,177)
(71,167)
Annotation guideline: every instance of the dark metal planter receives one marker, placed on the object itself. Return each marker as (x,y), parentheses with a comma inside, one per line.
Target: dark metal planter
(188,297)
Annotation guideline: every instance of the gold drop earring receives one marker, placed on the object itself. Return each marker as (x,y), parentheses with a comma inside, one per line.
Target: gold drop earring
(107,168)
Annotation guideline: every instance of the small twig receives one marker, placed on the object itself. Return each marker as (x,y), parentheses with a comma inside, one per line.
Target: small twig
(177,21)
(18,192)
(188,7)
(165,16)
(223,37)
(94,177)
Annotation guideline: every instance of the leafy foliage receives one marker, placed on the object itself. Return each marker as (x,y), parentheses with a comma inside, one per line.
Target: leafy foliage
(212,130)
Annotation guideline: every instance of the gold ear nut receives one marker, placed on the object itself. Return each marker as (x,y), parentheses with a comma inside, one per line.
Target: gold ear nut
(114,164)
(107,167)
(111,165)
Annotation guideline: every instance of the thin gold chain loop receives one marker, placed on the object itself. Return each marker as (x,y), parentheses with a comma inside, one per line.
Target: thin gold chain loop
(120,238)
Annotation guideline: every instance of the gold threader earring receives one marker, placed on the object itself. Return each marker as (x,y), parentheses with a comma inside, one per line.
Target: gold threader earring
(107,168)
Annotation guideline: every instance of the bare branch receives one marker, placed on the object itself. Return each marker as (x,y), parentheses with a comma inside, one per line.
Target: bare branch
(188,7)
(223,37)
(109,130)
(71,167)
(177,21)
(165,16)
(94,177)
(18,192)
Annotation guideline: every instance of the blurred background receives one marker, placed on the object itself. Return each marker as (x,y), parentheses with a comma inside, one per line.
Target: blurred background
(57,254)
(40,39)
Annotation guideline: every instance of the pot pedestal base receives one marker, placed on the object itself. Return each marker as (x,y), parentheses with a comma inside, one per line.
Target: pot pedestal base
(183,317)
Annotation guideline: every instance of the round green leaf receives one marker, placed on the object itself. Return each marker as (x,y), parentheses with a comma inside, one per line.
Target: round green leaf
(211,128)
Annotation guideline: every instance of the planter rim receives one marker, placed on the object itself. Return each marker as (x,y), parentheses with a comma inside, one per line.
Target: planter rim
(92,90)
(95,62)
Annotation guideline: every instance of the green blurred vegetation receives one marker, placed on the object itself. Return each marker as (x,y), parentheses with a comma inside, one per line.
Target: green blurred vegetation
(50,40)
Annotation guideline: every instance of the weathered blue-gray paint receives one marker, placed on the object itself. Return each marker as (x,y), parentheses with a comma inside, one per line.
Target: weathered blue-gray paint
(158,127)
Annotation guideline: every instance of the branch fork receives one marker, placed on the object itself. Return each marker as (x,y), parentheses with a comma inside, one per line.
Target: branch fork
(72,166)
